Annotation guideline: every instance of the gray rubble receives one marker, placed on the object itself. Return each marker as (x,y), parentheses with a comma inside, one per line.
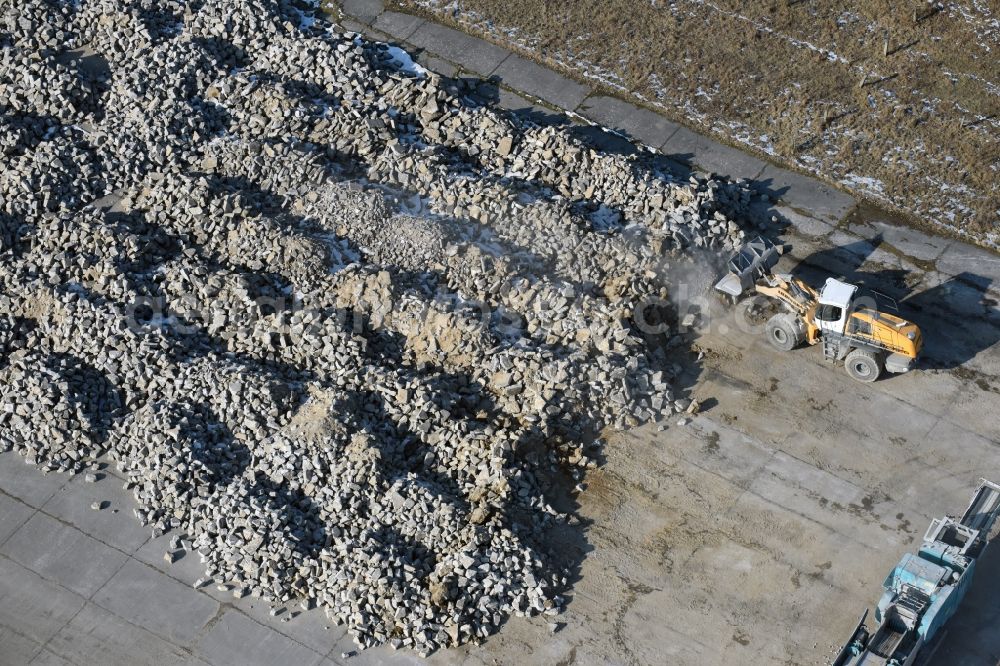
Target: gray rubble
(341,326)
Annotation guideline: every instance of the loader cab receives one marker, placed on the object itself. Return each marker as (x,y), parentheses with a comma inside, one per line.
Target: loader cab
(833,306)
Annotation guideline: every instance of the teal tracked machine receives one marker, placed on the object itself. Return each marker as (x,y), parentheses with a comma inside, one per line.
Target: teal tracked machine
(925,589)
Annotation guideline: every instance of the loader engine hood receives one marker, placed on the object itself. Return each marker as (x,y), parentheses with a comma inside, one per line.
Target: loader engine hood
(899,335)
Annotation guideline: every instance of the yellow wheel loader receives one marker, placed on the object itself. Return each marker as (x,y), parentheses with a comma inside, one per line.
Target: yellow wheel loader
(851,328)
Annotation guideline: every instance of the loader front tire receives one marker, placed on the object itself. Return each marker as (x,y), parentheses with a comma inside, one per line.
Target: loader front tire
(783,333)
(863,365)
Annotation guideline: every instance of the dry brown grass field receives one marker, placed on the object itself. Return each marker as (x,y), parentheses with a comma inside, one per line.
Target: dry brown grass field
(915,127)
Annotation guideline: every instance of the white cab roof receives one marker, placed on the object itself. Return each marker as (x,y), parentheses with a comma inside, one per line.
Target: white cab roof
(837,293)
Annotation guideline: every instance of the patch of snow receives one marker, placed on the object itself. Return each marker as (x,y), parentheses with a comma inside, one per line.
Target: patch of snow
(605,219)
(847,18)
(402,61)
(863,182)
(980,19)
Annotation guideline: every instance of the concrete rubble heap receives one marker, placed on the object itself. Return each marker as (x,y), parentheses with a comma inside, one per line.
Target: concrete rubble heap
(344,329)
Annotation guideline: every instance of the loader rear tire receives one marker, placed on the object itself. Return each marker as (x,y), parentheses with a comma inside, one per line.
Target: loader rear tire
(783,333)
(863,365)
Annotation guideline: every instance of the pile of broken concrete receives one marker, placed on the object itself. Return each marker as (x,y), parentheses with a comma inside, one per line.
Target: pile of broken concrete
(343,329)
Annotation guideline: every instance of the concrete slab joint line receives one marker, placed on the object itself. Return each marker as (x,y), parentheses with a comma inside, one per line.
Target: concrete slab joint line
(806,193)
(506,57)
(151,599)
(365,11)
(13,515)
(543,83)
(63,554)
(96,636)
(641,124)
(235,640)
(695,149)
(468,52)
(400,26)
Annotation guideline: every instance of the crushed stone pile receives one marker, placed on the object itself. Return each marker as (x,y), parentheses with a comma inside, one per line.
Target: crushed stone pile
(347,331)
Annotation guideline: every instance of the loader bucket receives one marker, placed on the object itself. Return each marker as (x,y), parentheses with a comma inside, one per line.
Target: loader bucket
(753,260)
